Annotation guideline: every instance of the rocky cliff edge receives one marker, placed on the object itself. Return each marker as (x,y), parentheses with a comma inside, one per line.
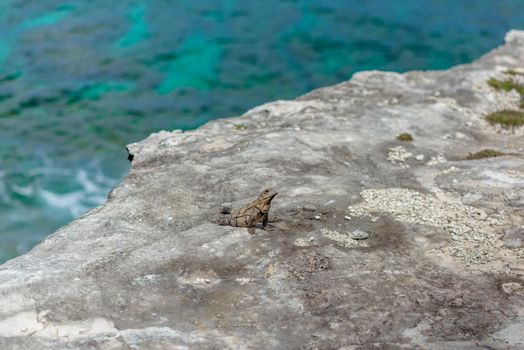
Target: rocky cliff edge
(442,206)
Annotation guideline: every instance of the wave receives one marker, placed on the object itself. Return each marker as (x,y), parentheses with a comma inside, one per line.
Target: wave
(59,192)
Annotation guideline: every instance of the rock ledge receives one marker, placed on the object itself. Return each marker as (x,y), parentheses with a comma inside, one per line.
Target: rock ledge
(442,265)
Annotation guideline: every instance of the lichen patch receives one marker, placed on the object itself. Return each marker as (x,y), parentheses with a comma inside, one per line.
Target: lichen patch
(513,288)
(398,155)
(472,232)
(343,239)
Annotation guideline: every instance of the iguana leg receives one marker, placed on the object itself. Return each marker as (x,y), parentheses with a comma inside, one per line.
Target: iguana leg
(265,223)
(265,220)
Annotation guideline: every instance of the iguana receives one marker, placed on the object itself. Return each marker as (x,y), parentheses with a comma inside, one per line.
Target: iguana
(251,214)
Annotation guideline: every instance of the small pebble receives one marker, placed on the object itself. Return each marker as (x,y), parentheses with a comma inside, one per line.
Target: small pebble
(317,217)
(357,235)
(305,242)
(419,157)
(347,217)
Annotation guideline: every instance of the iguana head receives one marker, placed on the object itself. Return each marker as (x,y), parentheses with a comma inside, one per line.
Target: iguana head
(264,200)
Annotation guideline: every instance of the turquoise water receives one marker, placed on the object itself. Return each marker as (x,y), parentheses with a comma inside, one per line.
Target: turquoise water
(80,79)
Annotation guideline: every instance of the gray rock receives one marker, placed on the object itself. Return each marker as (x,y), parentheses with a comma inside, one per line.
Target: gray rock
(514,237)
(149,269)
(358,235)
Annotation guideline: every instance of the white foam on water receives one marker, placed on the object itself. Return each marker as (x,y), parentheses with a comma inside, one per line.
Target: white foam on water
(70,201)
(92,189)
(88,185)
(26,191)
(101,178)
(4,197)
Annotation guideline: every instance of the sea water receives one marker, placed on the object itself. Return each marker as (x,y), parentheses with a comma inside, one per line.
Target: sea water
(81,79)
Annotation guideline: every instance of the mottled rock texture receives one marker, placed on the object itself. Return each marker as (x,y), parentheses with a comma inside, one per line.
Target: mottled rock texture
(442,268)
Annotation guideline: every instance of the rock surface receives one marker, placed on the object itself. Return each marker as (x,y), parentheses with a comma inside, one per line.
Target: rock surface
(443,266)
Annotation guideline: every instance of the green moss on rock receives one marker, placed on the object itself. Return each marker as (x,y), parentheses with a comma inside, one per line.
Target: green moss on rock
(405,137)
(485,153)
(240,126)
(507,118)
(506,85)
(513,72)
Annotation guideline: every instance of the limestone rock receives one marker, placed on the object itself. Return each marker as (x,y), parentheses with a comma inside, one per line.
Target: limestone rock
(358,235)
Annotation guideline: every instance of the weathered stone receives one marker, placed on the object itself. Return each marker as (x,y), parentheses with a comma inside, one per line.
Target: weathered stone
(149,269)
(358,235)
(514,237)
(513,288)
